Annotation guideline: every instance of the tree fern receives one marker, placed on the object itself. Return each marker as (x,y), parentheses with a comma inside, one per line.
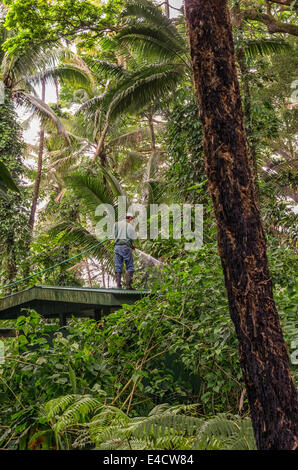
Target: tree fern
(70,410)
(166,427)
(224,432)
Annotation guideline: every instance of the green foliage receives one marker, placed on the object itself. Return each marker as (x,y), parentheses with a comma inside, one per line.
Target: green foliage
(165,427)
(6,180)
(177,346)
(225,433)
(42,21)
(185,145)
(14,206)
(104,385)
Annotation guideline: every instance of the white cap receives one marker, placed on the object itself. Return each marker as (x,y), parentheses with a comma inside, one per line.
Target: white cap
(129,215)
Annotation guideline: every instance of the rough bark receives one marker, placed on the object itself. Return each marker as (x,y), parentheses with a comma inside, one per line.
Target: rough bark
(244,69)
(242,247)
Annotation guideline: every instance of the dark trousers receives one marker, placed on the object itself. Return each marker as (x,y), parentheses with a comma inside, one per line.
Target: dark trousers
(123,253)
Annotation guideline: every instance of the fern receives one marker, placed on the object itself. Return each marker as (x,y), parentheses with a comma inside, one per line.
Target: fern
(107,427)
(58,405)
(229,433)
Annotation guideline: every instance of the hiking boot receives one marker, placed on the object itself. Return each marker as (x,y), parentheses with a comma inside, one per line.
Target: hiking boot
(129,277)
(118,280)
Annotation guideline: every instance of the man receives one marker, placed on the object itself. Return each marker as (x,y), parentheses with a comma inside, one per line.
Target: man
(124,236)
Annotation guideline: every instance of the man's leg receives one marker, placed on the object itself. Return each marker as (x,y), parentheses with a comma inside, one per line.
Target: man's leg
(128,257)
(118,266)
(129,278)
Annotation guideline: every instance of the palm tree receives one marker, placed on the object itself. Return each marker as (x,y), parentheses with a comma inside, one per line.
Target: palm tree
(22,73)
(163,62)
(65,72)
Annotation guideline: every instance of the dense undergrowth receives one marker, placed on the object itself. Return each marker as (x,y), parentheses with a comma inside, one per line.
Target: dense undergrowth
(176,346)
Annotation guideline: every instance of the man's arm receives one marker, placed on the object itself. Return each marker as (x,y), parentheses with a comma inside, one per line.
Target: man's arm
(131,233)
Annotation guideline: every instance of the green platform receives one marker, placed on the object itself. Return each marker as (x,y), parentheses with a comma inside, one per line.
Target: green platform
(63,302)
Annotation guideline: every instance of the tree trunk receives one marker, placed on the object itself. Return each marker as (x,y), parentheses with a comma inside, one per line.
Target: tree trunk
(152,133)
(167,8)
(39,168)
(100,144)
(242,247)
(245,82)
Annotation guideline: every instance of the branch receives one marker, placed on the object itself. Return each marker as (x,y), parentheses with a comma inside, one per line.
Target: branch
(272,24)
(285,3)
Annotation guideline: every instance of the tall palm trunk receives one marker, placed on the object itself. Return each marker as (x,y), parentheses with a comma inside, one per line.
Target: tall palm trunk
(39,168)
(152,133)
(152,160)
(100,144)
(263,355)
(167,8)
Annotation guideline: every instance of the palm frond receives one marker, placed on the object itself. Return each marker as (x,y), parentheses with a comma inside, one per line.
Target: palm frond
(35,58)
(79,237)
(130,138)
(115,185)
(131,162)
(152,165)
(152,42)
(91,190)
(67,74)
(42,110)
(91,106)
(105,69)
(65,158)
(147,10)
(142,88)
(262,47)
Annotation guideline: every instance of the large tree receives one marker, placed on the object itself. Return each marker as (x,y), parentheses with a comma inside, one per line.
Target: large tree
(241,241)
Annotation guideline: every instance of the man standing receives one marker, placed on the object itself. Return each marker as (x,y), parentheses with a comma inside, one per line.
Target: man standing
(124,236)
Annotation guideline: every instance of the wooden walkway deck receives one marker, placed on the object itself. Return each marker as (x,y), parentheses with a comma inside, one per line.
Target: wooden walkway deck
(63,302)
